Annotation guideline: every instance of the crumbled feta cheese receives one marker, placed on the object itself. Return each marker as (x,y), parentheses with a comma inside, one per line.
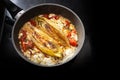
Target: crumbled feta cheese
(19,36)
(51,15)
(74,36)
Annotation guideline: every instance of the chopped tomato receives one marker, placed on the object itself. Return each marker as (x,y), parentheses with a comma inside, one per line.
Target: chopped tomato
(33,22)
(46,16)
(23,46)
(23,37)
(56,17)
(29,44)
(67,23)
(74,31)
(69,35)
(73,42)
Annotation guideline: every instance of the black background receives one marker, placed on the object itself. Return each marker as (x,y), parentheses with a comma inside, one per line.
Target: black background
(85,63)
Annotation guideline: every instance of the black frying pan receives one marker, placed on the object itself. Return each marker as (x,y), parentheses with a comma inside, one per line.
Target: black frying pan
(23,16)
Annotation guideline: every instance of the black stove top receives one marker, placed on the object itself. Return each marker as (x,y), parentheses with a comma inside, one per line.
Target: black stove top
(10,60)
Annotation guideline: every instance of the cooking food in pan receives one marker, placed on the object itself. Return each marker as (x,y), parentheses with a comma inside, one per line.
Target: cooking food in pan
(48,39)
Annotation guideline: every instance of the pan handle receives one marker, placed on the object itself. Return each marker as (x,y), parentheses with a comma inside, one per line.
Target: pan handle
(12,8)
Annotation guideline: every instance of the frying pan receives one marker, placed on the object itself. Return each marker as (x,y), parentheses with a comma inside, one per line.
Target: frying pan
(23,16)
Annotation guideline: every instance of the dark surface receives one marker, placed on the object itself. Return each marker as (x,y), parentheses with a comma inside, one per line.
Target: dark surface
(12,8)
(2,18)
(85,62)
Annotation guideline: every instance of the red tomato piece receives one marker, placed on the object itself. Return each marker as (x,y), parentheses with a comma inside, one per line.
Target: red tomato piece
(33,22)
(69,35)
(23,46)
(56,17)
(23,37)
(74,31)
(67,23)
(46,16)
(29,44)
(73,42)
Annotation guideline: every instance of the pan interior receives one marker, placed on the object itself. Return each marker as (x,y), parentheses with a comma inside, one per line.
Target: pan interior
(46,9)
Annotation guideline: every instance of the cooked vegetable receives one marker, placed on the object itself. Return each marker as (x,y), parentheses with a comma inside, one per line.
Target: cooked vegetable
(45,49)
(55,30)
(48,38)
(40,39)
